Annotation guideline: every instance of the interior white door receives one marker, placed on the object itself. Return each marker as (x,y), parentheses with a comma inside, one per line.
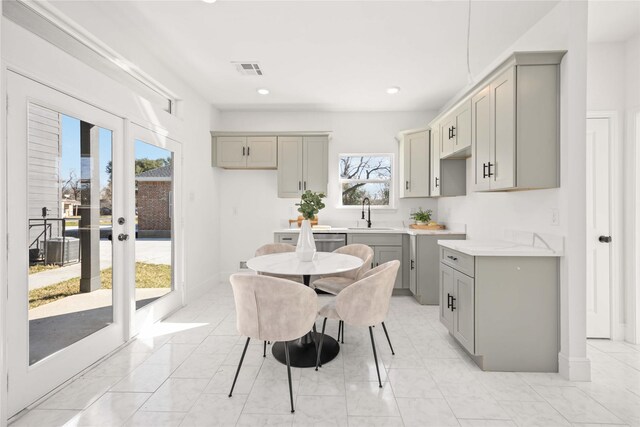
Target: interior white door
(598,229)
(65,169)
(154,263)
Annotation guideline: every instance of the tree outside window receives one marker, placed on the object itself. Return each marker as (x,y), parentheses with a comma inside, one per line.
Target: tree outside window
(365,175)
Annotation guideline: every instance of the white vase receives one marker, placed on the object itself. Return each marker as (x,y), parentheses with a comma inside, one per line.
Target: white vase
(306,248)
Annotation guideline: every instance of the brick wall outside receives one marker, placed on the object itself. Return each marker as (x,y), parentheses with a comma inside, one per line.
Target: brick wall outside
(153,205)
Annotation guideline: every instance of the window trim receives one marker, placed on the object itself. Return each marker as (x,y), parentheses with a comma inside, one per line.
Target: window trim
(392,181)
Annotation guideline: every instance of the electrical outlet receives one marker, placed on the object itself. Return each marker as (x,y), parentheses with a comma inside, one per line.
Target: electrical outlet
(555,217)
(243,265)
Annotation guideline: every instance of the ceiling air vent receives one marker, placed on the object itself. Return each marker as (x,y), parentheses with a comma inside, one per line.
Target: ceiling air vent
(248,68)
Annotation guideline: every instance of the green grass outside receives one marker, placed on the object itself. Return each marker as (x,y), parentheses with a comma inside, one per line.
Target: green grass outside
(147,276)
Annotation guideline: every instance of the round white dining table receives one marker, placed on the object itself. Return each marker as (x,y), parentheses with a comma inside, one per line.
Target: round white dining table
(303,352)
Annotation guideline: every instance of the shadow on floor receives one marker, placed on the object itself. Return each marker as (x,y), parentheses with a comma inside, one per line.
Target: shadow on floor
(51,334)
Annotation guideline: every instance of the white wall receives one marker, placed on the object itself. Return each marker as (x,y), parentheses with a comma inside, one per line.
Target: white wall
(42,61)
(3,243)
(489,215)
(250,208)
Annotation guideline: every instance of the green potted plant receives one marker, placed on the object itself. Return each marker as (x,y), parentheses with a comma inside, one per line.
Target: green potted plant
(309,206)
(421,217)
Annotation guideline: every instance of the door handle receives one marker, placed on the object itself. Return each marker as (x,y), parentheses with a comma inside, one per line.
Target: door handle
(604,239)
(122,237)
(121,221)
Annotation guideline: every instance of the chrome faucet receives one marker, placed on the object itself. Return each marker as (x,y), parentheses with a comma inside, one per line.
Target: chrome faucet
(366,200)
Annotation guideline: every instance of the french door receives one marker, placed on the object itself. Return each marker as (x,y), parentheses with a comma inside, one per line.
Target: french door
(65,293)
(154,260)
(94,235)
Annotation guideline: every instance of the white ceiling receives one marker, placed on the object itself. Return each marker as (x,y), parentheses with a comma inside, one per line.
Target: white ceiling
(316,55)
(613,21)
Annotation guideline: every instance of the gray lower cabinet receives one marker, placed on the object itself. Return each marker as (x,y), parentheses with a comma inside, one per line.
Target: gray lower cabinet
(503,310)
(386,247)
(424,265)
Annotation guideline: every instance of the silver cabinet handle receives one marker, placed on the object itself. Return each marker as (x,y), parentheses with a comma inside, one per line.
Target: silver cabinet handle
(305,185)
(299,185)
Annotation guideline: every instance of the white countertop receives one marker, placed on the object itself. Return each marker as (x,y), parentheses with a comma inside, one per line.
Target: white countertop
(498,248)
(376,230)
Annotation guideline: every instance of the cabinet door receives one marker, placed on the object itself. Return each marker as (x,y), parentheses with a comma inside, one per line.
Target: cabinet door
(231,151)
(289,166)
(405,166)
(419,165)
(413,270)
(315,163)
(447,138)
(503,128)
(384,254)
(262,152)
(464,310)
(481,138)
(462,127)
(435,161)
(446,295)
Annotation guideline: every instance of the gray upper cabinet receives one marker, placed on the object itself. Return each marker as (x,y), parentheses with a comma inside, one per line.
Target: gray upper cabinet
(231,151)
(434,182)
(455,132)
(516,121)
(302,165)
(245,152)
(414,165)
(481,136)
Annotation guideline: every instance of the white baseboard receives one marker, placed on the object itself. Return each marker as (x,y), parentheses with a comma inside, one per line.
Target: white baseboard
(574,368)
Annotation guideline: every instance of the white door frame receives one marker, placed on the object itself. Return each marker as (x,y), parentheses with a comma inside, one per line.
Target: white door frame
(41,377)
(615,216)
(172,301)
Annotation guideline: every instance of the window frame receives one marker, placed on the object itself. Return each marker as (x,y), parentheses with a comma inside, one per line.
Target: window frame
(392,180)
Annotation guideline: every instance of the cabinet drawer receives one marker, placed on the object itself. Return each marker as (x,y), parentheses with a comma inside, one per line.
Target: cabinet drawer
(290,238)
(376,239)
(458,261)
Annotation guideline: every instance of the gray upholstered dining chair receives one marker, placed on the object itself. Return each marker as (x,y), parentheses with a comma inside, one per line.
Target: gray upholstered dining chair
(259,312)
(364,303)
(335,283)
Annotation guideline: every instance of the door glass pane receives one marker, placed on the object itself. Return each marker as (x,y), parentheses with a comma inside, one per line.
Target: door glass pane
(69,228)
(154,222)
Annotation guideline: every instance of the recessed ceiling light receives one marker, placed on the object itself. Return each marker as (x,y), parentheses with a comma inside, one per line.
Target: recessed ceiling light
(393,90)
(209,1)
(263,91)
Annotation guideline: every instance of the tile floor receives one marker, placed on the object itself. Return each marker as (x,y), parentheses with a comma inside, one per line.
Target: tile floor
(179,374)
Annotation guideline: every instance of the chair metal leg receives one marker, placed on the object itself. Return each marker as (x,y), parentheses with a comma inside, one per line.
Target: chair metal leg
(286,353)
(264,351)
(324,324)
(239,366)
(375,356)
(339,330)
(315,340)
(388,340)
(342,341)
